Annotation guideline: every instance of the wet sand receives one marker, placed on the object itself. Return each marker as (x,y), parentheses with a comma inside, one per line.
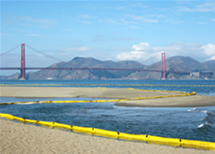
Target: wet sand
(19,138)
(67,92)
(187,101)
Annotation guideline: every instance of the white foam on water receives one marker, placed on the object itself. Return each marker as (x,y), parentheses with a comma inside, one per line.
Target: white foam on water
(209,124)
(193,109)
(26,104)
(204,111)
(201,125)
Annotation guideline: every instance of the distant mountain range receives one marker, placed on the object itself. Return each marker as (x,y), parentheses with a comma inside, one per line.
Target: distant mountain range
(176,63)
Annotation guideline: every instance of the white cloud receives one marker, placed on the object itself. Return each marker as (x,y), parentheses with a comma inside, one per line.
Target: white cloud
(134,27)
(142,19)
(209,49)
(135,17)
(140,56)
(131,55)
(77,49)
(132,21)
(202,22)
(35,35)
(212,19)
(67,29)
(141,46)
(110,21)
(86,22)
(206,7)
(212,58)
(28,21)
(142,52)
(86,16)
(41,23)
(4,34)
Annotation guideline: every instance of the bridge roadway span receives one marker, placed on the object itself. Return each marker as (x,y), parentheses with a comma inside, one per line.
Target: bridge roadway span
(89,68)
(110,93)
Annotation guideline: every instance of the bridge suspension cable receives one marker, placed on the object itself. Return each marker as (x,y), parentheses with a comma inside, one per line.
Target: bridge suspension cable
(44,54)
(9,50)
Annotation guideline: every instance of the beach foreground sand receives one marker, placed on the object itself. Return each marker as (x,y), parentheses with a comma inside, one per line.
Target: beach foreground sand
(59,92)
(19,138)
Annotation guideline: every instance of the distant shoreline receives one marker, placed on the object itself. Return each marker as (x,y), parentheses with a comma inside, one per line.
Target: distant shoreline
(98,79)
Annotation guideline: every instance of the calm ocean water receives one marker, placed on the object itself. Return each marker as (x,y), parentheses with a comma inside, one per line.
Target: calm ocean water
(196,123)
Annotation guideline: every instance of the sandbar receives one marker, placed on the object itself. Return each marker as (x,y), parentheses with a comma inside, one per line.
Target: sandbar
(116,93)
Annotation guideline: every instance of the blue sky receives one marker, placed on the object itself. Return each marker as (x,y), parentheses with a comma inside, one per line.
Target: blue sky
(107,30)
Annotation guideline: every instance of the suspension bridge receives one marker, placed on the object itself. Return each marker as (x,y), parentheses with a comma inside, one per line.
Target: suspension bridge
(23,68)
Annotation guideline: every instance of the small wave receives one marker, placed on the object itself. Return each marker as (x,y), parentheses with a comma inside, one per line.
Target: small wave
(211,113)
(206,124)
(193,109)
(209,124)
(201,125)
(26,104)
(204,111)
(197,110)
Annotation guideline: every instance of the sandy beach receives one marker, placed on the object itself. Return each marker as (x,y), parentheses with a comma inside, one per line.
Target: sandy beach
(67,92)
(22,138)
(19,138)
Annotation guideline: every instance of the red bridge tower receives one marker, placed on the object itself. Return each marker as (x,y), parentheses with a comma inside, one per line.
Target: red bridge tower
(22,62)
(163,65)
